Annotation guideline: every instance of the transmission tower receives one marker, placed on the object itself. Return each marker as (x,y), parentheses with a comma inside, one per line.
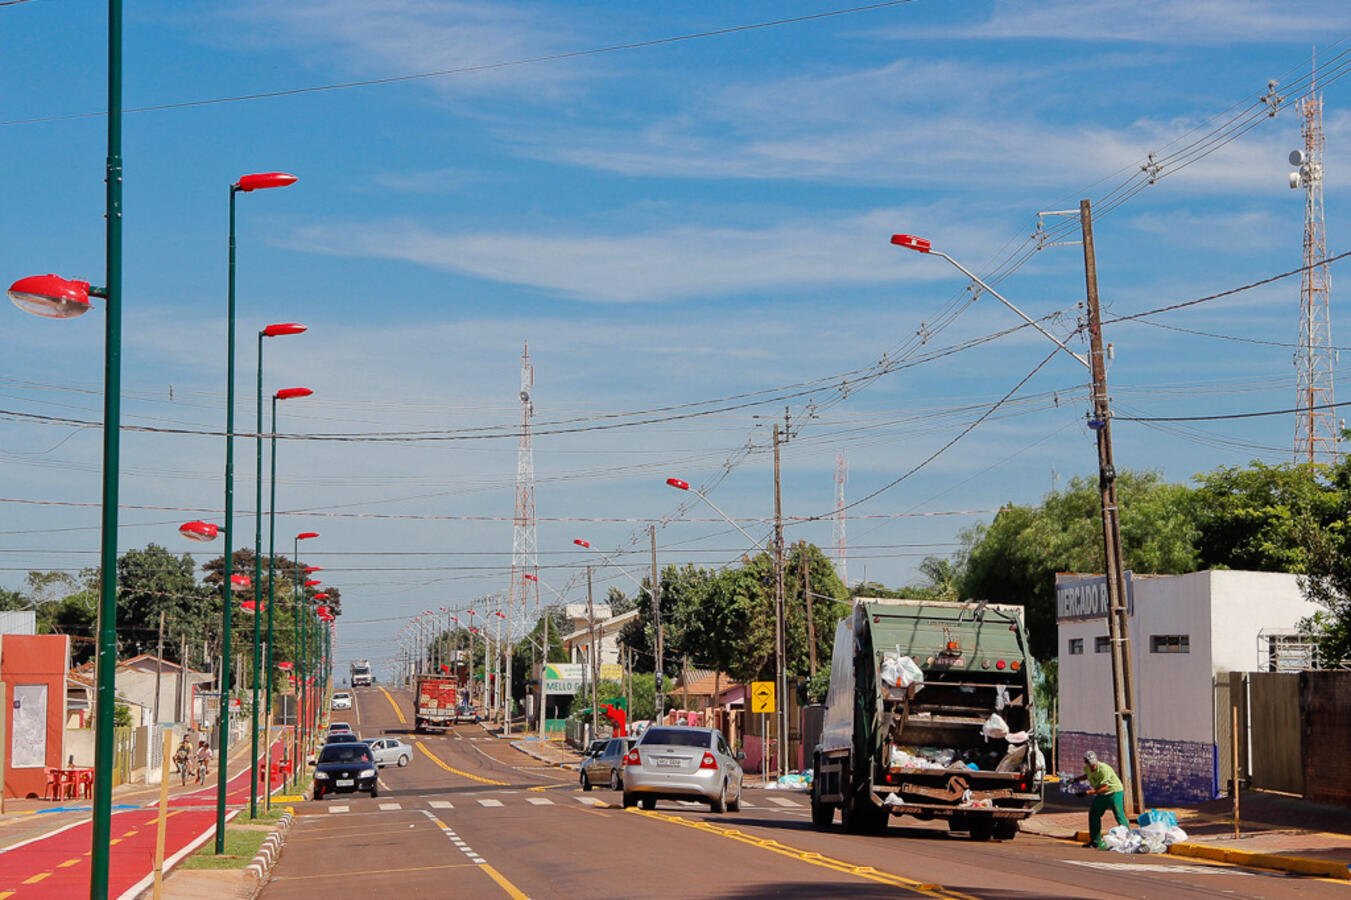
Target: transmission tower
(841,546)
(524,597)
(1315,418)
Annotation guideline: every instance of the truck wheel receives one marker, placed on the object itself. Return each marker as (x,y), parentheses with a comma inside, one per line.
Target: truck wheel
(823,814)
(1005,829)
(982,829)
(586,782)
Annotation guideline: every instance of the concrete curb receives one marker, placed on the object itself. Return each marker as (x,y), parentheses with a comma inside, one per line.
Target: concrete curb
(523,748)
(1295,865)
(258,870)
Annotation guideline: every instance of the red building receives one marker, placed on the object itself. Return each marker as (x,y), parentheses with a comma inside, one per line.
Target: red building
(33,672)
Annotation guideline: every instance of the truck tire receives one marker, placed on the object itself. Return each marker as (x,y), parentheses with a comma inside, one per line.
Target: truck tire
(823,813)
(981,828)
(1005,829)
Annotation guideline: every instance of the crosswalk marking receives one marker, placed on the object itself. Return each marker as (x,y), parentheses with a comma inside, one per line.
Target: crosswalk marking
(588,801)
(784,801)
(440,804)
(338,809)
(490,802)
(389,806)
(539,801)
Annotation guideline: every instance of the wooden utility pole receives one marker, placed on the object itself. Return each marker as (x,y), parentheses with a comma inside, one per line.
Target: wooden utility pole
(657,648)
(1118,627)
(161,819)
(807,596)
(780,656)
(159,663)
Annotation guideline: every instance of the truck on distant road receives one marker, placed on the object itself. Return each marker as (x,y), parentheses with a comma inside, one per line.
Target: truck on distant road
(361,673)
(436,697)
(930,714)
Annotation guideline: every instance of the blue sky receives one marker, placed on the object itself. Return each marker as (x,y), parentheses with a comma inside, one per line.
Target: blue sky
(668,226)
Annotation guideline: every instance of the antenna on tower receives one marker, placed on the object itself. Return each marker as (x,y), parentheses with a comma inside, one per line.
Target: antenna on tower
(1315,422)
(841,545)
(523,597)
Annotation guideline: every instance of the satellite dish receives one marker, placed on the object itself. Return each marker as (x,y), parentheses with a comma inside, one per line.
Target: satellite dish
(1295,180)
(1296,157)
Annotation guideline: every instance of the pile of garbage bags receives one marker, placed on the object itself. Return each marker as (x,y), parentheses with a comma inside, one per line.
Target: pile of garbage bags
(995,727)
(899,672)
(1156,837)
(793,781)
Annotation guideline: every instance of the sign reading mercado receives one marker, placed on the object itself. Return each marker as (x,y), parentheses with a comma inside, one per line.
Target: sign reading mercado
(1083,598)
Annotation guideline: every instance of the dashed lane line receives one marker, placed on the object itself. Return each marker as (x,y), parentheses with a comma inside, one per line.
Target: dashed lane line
(338,809)
(390,806)
(392,702)
(511,890)
(539,801)
(488,802)
(811,857)
(784,801)
(436,759)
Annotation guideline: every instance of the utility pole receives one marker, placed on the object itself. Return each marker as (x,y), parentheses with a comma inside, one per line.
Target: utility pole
(1118,629)
(656,618)
(159,663)
(807,596)
(780,657)
(591,647)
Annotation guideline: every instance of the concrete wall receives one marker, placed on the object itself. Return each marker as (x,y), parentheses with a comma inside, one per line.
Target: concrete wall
(1244,603)
(1173,771)
(1275,732)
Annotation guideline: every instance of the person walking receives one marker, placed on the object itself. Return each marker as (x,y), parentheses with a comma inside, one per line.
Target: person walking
(1108,793)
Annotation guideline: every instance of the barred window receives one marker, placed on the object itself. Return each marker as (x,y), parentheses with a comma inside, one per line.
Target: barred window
(1102,644)
(1169,643)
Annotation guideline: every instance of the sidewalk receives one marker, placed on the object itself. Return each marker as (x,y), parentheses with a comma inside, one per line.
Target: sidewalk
(1276,831)
(554,751)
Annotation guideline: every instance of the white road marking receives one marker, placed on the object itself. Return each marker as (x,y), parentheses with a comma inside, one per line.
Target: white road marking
(689,803)
(1155,867)
(539,801)
(455,839)
(586,801)
(784,801)
(490,802)
(338,809)
(390,806)
(440,804)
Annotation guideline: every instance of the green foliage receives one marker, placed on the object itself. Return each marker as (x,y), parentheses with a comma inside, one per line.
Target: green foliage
(13,600)
(1328,581)
(122,716)
(152,581)
(1262,518)
(818,685)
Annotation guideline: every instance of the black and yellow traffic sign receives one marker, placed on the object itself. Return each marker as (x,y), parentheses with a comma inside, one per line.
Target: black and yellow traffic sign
(762,696)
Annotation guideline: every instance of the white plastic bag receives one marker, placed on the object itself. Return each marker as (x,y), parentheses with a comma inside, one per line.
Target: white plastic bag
(995,727)
(1173,836)
(900,671)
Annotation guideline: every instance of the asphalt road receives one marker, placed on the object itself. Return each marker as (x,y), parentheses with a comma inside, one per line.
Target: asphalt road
(473,817)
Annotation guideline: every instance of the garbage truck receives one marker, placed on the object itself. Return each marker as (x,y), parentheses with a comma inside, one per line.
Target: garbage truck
(361,673)
(436,701)
(929,714)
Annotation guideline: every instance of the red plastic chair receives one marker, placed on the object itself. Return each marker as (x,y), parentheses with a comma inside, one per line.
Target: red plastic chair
(87,783)
(53,788)
(69,777)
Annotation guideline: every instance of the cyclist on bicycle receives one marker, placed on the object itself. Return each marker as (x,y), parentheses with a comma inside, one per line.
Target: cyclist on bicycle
(181,757)
(203,761)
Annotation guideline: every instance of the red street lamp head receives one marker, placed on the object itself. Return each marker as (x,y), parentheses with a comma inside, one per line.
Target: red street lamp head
(309,569)
(912,242)
(314,583)
(529,577)
(581,543)
(306,535)
(263,180)
(240,582)
(51,296)
(320,596)
(323,611)
(282,328)
(291,394)
(249,607)
(199,531)
(678,483)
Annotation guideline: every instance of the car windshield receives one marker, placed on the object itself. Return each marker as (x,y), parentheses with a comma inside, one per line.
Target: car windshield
(345,753)
(676,737)
(342,738)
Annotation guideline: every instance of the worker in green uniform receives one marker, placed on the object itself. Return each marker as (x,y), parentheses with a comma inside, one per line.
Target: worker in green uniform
(1108,793)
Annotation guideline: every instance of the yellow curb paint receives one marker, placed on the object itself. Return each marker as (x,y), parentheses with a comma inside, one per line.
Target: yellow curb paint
(812,858)
(452,769)
(511,890)
(398,712)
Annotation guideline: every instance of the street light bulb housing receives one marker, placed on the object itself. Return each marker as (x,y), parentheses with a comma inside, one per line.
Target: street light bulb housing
(912,242)
(531,577)
(283,328)
(309,569)
(199,531)
(320,596)
(51,296)
(678,483)
(263,180)
(306,535)
(240,582)
(291,394)
(581,543)
(315,583)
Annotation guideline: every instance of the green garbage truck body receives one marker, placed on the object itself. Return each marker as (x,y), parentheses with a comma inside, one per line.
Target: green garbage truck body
(930,714)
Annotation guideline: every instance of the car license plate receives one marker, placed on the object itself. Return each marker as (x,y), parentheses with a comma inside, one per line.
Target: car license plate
(669,762)
(345,782)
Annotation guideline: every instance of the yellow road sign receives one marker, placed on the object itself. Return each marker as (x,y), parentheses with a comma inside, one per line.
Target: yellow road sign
(762,696)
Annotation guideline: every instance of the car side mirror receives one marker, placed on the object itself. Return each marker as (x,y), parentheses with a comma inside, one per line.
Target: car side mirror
(740,755)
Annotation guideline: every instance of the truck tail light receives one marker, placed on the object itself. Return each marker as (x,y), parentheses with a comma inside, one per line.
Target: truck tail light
(999,664)
(708,762)
(1015,665)
(631,758)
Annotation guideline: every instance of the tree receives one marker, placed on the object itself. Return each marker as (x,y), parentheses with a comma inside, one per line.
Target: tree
(1328,576)
(1262,518)
(154,581)
(13,600)
(1014,559)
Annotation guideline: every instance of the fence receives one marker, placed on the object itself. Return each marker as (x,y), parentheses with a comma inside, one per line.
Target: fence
(1295,732)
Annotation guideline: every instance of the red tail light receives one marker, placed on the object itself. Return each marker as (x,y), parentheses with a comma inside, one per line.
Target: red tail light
(1000,664)
(631,758)
(708,762)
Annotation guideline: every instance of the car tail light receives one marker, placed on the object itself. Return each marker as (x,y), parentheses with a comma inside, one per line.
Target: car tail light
(631,758)
(709,762)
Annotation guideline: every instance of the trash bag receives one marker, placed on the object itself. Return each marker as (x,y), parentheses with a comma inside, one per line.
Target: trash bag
(1013,760)
(1017,737)
(942,756)
(1118,839)
(1150,816)
(900,671)
(995,727)
(1174,835)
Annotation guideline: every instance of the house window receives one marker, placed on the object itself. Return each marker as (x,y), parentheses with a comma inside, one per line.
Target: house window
(1076,646)
(1102,644)
(1169,643)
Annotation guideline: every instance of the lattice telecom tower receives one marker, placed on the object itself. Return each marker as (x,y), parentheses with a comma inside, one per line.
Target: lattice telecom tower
(1315,418)
(524,597)
(841,545)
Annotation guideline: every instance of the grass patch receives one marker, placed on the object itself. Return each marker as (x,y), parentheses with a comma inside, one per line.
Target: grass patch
(241,845)
(264,817)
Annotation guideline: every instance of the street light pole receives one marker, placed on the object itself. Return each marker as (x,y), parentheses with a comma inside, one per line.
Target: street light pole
(1118,628)
(298,621)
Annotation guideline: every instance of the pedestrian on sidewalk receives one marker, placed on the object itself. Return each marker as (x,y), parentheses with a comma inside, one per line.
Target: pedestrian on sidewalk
(1108,793)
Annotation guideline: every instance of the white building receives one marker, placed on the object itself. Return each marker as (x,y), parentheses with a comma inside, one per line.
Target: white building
(1186,632)
(606,631)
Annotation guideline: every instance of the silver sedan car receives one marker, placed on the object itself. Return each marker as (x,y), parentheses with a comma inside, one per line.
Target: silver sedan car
(390,751)
(679,762)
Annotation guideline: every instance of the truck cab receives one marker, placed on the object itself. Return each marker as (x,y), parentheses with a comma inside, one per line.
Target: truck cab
(930,713)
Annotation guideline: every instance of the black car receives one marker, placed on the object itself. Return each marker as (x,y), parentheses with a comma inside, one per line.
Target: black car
(342,737)
(345,768)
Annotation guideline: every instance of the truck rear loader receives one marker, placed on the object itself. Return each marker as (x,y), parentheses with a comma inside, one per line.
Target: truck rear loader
(930,714)
(436,697)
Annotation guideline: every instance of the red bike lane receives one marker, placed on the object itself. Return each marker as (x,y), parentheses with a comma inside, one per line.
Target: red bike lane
(56,865)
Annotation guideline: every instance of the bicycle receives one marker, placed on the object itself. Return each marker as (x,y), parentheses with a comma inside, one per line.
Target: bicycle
(203,771)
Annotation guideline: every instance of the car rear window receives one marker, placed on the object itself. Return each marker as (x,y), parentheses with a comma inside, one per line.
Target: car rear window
(676,737)
(341,753)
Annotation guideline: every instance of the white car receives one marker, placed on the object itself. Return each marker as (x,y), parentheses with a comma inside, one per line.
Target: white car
(341,700)
(387,750)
